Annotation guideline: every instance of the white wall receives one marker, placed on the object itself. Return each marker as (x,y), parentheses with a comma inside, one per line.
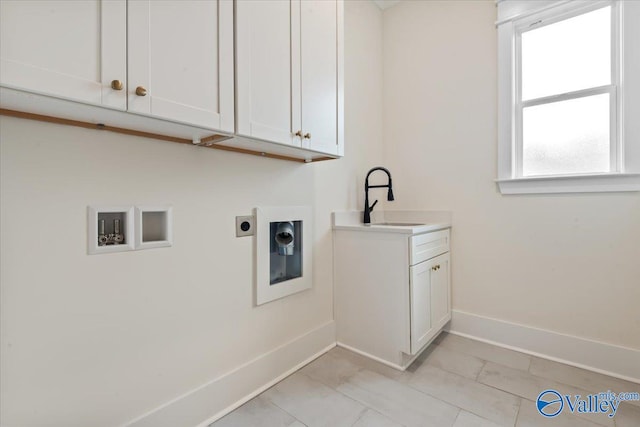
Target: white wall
(566,263)
(99,340)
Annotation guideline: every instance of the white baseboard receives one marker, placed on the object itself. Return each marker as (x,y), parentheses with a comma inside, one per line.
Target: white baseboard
(371,356)
(211,401)
(407,359)
(608,359)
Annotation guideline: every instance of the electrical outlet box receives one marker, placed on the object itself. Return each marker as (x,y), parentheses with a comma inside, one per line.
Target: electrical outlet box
(245,226)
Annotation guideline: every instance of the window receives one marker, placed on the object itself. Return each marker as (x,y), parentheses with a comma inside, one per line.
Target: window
(560,101)
(566,107)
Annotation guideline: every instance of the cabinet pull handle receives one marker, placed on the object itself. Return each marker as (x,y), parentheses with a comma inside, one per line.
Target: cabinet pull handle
(140,91)
(299,133)
(307,135)
(116,84)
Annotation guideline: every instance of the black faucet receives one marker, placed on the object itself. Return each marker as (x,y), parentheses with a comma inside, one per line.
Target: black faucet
(367,208)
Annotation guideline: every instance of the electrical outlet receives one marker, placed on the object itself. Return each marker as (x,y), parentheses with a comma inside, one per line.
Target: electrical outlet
(245,226)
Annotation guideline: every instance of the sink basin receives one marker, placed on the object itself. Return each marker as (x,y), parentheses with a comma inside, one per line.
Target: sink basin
(398,224)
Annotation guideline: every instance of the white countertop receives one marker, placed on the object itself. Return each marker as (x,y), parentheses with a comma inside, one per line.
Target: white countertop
(428,221)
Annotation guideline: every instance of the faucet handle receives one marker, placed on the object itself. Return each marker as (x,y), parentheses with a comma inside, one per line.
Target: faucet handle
(371,207)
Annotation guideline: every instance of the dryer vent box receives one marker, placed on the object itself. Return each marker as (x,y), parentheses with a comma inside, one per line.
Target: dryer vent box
(283,250)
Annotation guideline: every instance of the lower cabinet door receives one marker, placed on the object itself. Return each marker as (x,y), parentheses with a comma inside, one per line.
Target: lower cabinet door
(420,294)
(430,299)
(440,294)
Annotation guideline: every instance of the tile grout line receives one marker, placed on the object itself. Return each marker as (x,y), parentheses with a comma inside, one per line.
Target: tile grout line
(452,373)
(360,369)
(444,344)
(543,380)
(455,420)
(366,407)
(530,357)
(580,387)
(278,406)
(364,411)
(528,371)
(573,416)
(515,422)
(453,404)
(484,364)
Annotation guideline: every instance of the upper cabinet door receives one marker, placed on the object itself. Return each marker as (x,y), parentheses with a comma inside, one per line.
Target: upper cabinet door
(268,70)
(69,49)
(180,61)
(321,49)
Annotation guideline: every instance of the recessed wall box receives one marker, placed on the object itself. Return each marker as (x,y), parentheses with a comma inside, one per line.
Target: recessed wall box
(154,227)
(245,226)
(283,251)
(109,229)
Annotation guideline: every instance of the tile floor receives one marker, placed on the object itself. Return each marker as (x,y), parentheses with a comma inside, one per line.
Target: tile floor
(455,382)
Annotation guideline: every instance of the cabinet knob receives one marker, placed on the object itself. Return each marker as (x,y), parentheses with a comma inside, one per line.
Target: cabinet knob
(140,91)
(116,84)
(307,136)
(299,133)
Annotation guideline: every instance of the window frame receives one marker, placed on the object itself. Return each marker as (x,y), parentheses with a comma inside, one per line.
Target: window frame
(551,17)
(510,105)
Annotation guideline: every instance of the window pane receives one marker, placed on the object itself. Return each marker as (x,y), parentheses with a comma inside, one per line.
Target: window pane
(568,55)
(566,137)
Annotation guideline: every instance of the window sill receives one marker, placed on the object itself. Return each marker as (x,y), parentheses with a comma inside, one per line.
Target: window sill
(599,183)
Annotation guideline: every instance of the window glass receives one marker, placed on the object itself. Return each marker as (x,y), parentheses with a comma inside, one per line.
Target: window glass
(566,137)
(567,56)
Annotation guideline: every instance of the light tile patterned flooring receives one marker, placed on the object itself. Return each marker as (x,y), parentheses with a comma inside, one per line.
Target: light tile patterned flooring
(455,382)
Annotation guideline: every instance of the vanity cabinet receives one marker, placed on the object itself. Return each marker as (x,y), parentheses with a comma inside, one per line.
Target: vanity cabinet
(289,73)
(392,291)
(169,59)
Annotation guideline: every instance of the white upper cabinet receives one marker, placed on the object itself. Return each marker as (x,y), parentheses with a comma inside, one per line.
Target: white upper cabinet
(69,49)
(168,59)
(173,68)
(321,77)
(268,70)
(289,72)
(180,61)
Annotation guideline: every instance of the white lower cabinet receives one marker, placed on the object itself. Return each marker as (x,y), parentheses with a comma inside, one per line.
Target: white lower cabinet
(430,308)
(392,292)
